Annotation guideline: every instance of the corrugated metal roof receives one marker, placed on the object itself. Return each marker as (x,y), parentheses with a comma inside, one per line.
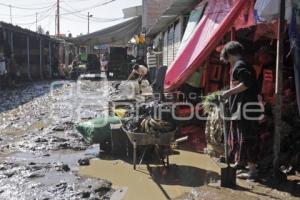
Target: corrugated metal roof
(25,31)
(177,8)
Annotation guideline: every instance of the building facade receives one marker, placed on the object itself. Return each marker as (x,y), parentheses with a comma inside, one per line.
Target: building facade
(164,22)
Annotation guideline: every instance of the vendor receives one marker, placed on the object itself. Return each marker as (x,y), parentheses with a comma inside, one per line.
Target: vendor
(243,90)
(139,70)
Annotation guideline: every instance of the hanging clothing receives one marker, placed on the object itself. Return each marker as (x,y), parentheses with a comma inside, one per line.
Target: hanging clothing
(152,65)
(295,45)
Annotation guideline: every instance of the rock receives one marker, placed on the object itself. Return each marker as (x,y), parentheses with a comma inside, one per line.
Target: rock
(32,163)
(102,190)
(2,168)
(58,139)
(59,128)
(9,174)
(84,162)
(85,194)
(63,146)
(41,140)
(65,168)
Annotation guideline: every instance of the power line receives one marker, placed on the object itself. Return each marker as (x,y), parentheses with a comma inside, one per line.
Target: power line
(43,17)
(26,16)
(88,8)
(81,16)
(25,8)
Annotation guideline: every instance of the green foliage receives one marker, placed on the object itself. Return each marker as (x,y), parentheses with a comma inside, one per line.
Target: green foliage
(210,100)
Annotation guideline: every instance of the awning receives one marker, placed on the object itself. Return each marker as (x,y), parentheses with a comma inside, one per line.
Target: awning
(176,8)
(218,18)
(118,34)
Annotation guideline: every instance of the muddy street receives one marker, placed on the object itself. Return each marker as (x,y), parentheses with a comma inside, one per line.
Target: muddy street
(40,148)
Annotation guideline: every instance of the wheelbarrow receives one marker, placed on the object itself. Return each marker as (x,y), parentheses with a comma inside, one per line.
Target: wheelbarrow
(144,139)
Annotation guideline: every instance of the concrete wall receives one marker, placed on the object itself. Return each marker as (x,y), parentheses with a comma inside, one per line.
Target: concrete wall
(152,10)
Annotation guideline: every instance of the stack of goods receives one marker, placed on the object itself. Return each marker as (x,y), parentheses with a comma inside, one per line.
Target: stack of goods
(143,120)
(214,125)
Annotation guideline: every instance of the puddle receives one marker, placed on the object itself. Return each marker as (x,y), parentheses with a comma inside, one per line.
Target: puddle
(187,171)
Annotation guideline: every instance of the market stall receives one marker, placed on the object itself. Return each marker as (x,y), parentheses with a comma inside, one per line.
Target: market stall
(256,28)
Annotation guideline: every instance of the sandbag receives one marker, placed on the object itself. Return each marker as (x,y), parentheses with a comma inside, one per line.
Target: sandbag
(97,130)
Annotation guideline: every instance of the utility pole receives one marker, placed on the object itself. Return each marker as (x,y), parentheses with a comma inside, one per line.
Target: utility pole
(36,21)
(58,19)
(89,16)
(10,14)
(278,91)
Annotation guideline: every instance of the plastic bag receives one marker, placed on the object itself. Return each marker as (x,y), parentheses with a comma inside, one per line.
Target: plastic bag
(97,130)
(266,10)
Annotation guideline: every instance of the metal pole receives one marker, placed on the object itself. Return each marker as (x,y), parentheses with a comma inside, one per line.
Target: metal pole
(10,14)
(58,19)
(41,60)
(88,22)
(28,60)
(12,44)
(50,60)
(36,25)
(278,89)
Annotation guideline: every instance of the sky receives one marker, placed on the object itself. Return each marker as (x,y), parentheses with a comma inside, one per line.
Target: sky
(73,14)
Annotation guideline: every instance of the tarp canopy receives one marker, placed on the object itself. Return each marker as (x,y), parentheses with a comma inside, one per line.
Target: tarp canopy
(219,17)
(118,34)
(171,14)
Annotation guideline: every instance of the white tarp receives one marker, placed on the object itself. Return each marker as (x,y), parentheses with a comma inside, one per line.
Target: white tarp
(268,10)
(192,24)
(118,34)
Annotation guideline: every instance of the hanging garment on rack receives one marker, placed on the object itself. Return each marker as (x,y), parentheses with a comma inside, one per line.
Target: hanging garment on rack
(295,45)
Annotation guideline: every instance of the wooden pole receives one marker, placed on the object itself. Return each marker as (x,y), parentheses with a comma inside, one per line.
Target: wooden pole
(278,89)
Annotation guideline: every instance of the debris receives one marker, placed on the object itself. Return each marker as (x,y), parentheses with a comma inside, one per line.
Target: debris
(41,140)
(62,167)
(35,175)
(84,162)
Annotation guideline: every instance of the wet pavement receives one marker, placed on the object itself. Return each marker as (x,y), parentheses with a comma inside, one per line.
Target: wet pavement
(39,145)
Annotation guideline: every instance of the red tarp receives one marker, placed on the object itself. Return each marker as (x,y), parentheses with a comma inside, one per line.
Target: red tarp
(219,17)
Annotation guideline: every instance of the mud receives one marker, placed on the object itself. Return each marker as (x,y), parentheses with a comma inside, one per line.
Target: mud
(42,156)
(39,145)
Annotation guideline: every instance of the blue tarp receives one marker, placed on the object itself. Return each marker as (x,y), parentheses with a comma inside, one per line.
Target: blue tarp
(295,45)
